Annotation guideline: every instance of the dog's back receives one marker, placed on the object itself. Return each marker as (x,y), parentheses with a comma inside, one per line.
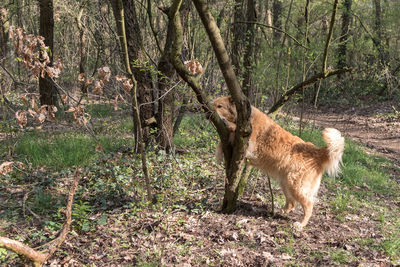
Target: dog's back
(297,165)
(277,152)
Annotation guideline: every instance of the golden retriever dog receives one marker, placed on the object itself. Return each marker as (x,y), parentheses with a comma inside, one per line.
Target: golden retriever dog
(297,165)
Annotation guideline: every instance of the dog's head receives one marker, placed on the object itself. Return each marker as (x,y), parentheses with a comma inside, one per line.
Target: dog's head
(226,109)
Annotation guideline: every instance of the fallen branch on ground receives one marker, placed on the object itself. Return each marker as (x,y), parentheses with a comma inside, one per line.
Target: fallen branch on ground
(38,257)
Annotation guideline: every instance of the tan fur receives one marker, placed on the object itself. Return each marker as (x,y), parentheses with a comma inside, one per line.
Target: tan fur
(297,165)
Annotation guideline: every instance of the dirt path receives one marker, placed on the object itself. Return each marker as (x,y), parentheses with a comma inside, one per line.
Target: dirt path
(377,127)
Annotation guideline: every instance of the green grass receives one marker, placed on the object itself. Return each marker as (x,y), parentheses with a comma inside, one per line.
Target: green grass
(112,181)
(66,150)
(390,244)
(359,169)
(196,132)
(100,110)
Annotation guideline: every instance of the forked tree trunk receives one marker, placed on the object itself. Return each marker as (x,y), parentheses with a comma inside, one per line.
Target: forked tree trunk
(46,29)
(234,156)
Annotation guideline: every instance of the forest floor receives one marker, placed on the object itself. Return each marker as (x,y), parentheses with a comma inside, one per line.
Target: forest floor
(376,126)
(355,222)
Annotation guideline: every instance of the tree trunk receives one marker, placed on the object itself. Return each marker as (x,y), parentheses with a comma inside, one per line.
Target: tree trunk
(82,49)
(46,29)
(4,27)
(344,36)
(249,59)
(381,49)
(136,59)
(166,101)
(235,156)
(276,19)
(238,37)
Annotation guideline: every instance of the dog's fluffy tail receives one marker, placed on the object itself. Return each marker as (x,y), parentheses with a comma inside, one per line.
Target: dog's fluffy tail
(335,147)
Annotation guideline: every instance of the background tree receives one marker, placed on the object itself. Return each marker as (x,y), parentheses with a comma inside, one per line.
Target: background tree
(137,59)
(46,29)
(344,36)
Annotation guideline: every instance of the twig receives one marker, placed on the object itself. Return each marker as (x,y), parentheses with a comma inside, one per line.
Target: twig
(329,37)
(150,16)
(272,196)
(276,29)
(162,96)
(25,207)
(12,77)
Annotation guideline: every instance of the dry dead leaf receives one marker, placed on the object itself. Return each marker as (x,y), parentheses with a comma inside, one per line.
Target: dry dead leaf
(99,148)
(32,113)
(98,87)
(6,167)
(104,73)
(64,99)
(120,78)
(24,99)
(33,104)
(89,81)
(81,77)
(21,118)
(128,85)
(40,118)
(115,103)
(71,109)
(194,66)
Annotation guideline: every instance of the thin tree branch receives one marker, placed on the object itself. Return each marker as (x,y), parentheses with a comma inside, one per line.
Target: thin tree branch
(135,106)
(303,85)
(275,28)
(150,16)
(376,43)
(329,37)
(188,77)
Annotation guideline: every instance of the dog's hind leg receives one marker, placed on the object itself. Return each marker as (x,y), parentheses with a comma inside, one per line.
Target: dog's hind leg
(307,206)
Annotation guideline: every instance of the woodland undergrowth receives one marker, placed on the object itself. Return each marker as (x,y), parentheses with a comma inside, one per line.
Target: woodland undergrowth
(356,219)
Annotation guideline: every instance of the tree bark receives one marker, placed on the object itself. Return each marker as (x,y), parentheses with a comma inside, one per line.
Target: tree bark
(136,59)
(238,37)
(276,19)
(249,59)
(135,104)
(4,27)
(166,100)
(82,49)
(344,36)
(234,162)
(379,45)
(46,29)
